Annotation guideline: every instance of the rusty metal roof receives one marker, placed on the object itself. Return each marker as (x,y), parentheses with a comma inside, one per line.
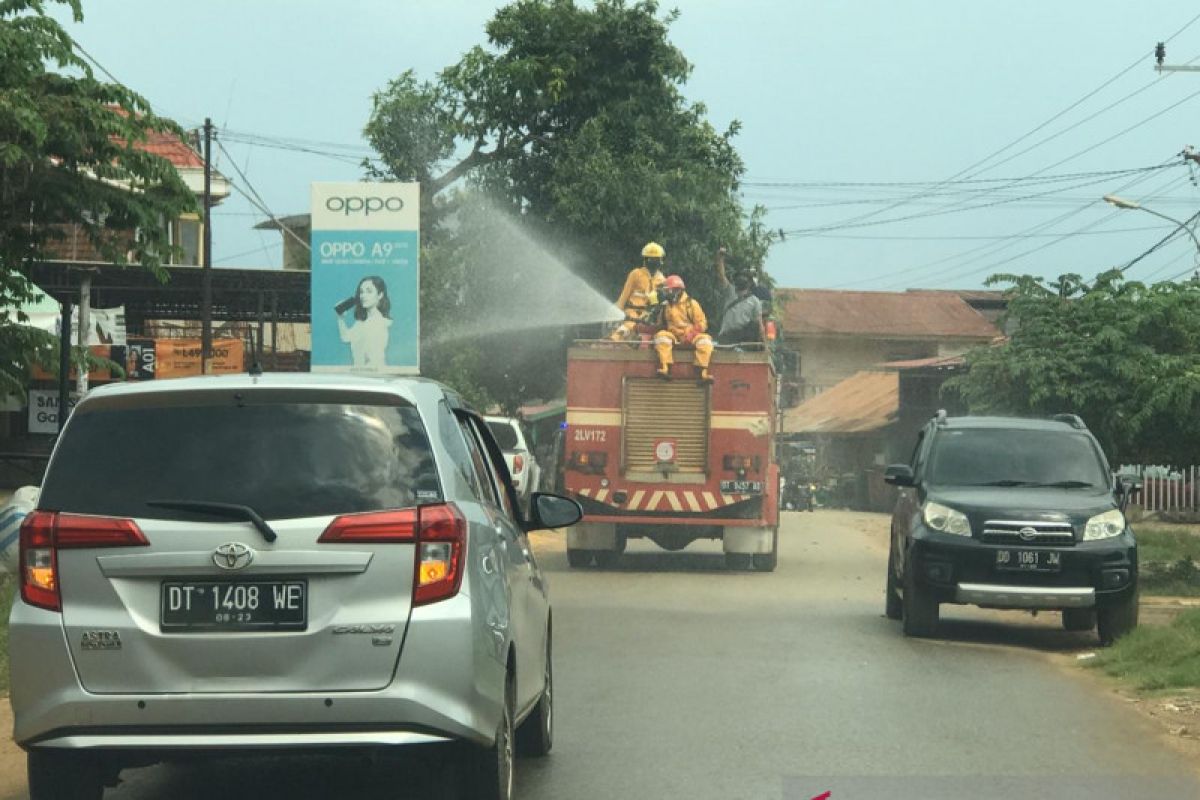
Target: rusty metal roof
(864,402)
(893,315)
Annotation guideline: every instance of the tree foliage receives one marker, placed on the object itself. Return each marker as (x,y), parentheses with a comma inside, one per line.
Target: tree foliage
(69,155)
(573,120)
(1123,355)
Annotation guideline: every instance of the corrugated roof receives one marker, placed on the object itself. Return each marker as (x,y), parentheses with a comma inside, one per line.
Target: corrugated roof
(917,363)
(864,402)
(909,315)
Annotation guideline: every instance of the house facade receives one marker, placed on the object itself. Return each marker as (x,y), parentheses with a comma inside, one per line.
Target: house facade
(838,334)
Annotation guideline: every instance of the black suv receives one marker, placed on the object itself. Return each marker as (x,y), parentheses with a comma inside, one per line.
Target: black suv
(1004,512)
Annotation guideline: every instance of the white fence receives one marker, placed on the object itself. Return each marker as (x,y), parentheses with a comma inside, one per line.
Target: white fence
(1166,488)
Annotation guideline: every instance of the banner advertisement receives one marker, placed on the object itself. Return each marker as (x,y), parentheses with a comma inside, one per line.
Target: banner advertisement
(43,410)
(366,277)
(180,358)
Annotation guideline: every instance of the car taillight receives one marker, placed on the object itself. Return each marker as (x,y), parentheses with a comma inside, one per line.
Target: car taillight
(518,464)
(439,531)
(442,536)
(44,533)
(382,527)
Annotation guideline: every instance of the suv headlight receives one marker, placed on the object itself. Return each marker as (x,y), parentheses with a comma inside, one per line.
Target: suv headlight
(1104,526)
(945,519)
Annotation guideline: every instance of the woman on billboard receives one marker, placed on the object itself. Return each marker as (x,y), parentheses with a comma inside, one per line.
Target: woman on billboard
(368,337)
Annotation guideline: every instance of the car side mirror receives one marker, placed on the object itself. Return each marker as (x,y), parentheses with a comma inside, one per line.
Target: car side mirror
(1127,489)
(899,475)
(552,511)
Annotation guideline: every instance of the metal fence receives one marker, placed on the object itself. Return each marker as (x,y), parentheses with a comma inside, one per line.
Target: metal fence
(1166,488)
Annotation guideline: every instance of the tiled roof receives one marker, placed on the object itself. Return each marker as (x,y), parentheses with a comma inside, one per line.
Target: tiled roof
(864,402)
(173,149)
(915,315)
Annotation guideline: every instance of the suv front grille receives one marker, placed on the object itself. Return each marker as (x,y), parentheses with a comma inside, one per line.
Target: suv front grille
(1028,533)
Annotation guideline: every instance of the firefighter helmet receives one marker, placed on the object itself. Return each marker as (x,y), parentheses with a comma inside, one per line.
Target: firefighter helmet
(674,282)
(653,250)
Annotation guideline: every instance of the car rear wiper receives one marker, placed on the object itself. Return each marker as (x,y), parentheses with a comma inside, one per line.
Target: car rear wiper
(226,510)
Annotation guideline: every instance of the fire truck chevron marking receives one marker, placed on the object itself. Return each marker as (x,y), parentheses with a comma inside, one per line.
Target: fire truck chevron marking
(693,504)
(710,501)
(673,499)
(602,495)
(654,501)
(637,500)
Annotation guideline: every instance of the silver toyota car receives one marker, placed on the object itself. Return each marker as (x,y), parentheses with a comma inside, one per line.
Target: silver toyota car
(254,563)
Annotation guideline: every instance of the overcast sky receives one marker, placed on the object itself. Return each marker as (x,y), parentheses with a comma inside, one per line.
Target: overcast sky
(828,91)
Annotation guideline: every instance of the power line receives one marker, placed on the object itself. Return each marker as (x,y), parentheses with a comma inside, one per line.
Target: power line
(261,249)
(1001,237)
(957,273)
(1133,65)
(980,252)
(257,201)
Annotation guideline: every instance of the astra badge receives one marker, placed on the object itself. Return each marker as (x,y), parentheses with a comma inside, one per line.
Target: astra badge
(233,555)
(1027,534)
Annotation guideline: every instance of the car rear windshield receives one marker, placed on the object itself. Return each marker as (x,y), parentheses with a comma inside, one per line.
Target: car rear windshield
(284,460)
(1015,457)
(506,435)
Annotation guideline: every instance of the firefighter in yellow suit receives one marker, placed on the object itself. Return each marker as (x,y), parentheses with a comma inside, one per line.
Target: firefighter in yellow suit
(684,323)
(639,292)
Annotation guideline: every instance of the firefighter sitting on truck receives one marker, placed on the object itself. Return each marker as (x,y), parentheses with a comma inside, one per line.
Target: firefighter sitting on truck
(639,293)
(683,323)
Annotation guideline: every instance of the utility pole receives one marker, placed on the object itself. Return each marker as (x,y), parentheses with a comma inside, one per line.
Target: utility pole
(206,276)
(1160,55)
(64,365)
(85,326)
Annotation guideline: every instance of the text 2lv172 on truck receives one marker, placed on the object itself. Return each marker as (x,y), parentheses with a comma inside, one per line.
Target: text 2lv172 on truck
(673,461)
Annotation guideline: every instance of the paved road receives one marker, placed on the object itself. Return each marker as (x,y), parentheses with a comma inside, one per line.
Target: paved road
(677,679)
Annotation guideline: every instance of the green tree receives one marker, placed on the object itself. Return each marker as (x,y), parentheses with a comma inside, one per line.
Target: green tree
(572,120)
(1123,355)
(69,155)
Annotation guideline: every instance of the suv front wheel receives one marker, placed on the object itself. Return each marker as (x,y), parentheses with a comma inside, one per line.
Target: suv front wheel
(919,607)
(1117,620)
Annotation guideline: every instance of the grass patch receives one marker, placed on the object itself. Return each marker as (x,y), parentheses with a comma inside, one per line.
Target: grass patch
(1169,562)
(1161,545)
(1155,658)
(8,588)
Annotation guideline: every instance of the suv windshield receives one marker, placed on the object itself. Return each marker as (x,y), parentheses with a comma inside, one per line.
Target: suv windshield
(284,460)
(506,435)
(1013,457)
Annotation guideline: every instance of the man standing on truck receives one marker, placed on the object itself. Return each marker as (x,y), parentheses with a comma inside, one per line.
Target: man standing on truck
(638,295)
(683,323)
(742,312)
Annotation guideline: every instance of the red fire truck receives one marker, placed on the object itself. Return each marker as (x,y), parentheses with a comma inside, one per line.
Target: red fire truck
(672,461)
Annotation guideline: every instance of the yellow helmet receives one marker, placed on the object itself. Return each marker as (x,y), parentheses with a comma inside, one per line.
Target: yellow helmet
(653,250)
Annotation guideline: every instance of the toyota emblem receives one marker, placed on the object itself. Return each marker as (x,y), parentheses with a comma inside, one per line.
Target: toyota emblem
(1027,534)
(233,555)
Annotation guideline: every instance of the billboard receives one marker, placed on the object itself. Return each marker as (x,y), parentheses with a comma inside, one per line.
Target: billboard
(366,277)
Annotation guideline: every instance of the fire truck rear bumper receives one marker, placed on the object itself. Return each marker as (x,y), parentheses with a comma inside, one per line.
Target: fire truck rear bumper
(748,512)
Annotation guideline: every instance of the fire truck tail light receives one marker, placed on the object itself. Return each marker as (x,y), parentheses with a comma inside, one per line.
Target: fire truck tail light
(734,463)
(592,462)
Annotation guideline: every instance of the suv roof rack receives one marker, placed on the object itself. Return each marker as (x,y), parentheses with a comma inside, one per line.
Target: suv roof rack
(1071,419)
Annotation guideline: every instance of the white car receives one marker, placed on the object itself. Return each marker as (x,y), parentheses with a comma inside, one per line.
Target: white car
(522,466)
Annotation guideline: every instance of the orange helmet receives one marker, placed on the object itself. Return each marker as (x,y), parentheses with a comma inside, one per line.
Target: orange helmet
(674,282)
